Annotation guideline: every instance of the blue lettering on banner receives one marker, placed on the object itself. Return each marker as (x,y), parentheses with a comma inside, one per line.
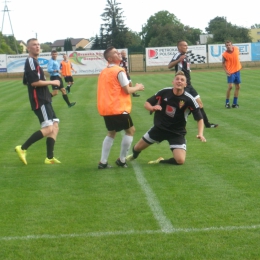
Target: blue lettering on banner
(42,61)
(220,50)
(242,48)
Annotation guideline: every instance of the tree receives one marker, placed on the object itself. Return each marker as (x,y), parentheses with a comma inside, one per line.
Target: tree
(80,49)
(112,32)
(166,35)
(255,26)
(67,45)
(96,44)
(46,47)
(192,35)
(223,30)
(155,23)
(9,45)
(133,41)
(164,29)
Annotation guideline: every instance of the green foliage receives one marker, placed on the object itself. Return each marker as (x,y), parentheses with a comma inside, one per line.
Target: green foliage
(80,49)
(67,45)
(74,211)
(133,41)
(192,35)
(255,26)
(96,44)
(113,31)
(223,30)
(165,29)
(6,49)
(157,22)
(46,47)
(9,45)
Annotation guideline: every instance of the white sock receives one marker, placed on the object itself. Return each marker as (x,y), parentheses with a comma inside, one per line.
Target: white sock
(106,146)
(125,145)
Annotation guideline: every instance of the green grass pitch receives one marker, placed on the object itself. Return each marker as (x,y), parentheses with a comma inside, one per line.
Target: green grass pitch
(208,208)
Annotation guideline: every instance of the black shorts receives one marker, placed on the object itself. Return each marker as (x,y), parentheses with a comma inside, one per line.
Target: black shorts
(192,91)
(46,115)
(157,135)
(68,79)
(118,122)
(57,78)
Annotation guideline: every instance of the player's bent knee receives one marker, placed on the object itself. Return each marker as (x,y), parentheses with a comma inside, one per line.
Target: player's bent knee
(180,161)
(46,131)
(56,128)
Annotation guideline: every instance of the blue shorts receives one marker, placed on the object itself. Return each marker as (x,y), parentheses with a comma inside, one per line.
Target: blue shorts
(234,78)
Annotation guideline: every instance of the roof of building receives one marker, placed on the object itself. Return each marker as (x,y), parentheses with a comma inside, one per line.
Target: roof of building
(59,43)
(21,41)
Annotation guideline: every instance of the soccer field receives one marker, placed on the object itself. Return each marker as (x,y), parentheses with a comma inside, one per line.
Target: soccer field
(207,208)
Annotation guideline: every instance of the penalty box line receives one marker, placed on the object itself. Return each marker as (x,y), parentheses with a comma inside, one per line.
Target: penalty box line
(131,232)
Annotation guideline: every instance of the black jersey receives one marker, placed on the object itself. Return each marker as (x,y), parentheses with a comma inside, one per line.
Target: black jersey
(33,73)
(183,66)
(175,110)
(123,64)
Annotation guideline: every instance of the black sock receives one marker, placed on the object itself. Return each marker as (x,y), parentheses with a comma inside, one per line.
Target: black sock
(169,161)
(32,139)
(65,97)
(135,153)
(205,118)
(50,147)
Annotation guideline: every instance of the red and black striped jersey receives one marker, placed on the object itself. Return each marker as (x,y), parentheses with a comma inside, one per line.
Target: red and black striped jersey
(33,73)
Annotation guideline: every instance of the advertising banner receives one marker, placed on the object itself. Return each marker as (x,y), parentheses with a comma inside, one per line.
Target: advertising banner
(216,50)
(3,66)
(84,62)
(15,63)
(87,62)
(161,56)
(255,51)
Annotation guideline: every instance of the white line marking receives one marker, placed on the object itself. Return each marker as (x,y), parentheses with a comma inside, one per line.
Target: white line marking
(154,204)
(130,232)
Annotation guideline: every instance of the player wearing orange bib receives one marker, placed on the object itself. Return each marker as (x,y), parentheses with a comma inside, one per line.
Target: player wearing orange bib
(232,66)
(66,71)
(114,104)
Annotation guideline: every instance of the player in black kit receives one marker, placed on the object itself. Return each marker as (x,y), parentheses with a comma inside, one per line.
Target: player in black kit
(124,64)
(181,63)
(172,107)
(40,99)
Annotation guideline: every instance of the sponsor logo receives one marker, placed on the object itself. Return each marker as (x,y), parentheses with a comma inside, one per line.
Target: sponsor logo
(153,54)
(181,104)
(170,111)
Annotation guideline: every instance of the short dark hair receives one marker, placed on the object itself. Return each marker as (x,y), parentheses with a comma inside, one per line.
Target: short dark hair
(178,43)
(228,41)
(31,39)
(53,51)
(106,52)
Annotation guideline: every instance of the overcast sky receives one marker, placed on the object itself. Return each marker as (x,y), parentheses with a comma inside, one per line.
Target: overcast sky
(53,20)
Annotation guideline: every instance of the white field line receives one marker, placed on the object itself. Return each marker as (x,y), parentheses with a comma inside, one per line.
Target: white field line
(131,232)
(164,223)
(154,204)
